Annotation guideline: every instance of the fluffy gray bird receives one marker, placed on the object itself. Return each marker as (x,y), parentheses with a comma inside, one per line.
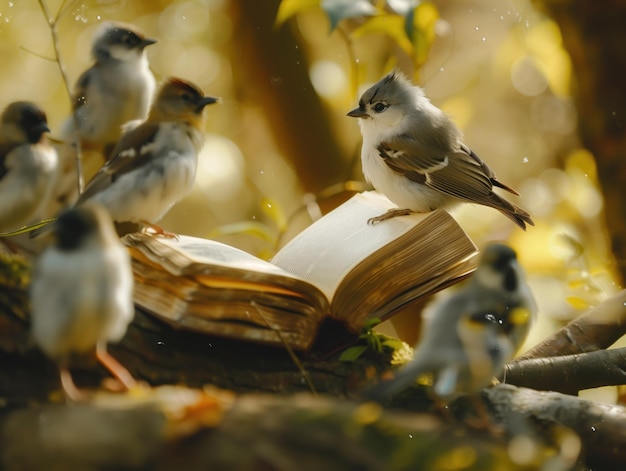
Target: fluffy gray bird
(28,164)
(82,292)
(414,154)
(471,335)
(117,88)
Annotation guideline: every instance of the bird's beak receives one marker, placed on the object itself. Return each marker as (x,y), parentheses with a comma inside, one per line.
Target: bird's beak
(358,113)
(146,42)
(207,100)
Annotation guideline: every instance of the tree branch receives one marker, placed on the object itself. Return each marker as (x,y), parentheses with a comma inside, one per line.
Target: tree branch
(569,373)
(597,329)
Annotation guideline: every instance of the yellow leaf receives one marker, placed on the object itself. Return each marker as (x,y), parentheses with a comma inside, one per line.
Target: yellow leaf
(577,303)
(425,17)
(288,8)
(253,228)
(391,25)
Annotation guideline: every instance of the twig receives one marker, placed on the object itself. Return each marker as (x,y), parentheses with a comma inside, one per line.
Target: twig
(36,54)
(52,24)
(292,354)
(569,373)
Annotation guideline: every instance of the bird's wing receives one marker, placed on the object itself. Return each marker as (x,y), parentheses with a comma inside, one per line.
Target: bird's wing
(7,144)
(458,173)
(80,89)
(5,148)
(490,173)
(131,152)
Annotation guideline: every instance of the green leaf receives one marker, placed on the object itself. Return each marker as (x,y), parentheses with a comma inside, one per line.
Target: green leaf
(394,344)
(352,353)
(338,10)
(288,8)
(29,228)
(370,324)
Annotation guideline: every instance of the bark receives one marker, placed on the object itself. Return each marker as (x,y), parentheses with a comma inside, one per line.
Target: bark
(569,374)
(160,427)
(268,432)
(273,72)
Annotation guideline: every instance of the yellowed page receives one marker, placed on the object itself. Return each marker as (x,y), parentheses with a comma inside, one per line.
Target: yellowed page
(325,252)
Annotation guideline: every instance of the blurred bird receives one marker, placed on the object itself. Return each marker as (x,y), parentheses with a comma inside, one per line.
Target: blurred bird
(82,293)
(117,88)
(28,164)
(414,154)
(472,334)
(154,164)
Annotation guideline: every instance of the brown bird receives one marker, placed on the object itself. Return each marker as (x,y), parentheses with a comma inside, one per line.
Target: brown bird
(153,166)
(28,164)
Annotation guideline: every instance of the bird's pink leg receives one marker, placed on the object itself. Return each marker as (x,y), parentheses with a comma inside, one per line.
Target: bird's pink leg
(158,230)
(391,213)
(69,388)
(115,367)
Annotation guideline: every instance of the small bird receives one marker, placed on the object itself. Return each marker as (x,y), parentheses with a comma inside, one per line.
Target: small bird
(82,293)
(154,164)
(117,88)
(471,335)
(28,164)
(414,154)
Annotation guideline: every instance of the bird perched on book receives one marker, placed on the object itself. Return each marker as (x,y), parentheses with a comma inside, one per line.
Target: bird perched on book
(471,335)
(153,166)
(82,292)
(28,164)
(414,154)
(117,88)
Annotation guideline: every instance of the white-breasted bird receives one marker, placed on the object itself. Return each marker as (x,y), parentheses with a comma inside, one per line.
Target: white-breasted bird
(28,164)
(118,87)
(414,154)
(153,166)
(469,337)
(82,292)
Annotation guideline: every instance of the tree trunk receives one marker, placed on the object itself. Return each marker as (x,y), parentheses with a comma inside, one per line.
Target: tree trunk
(594,35)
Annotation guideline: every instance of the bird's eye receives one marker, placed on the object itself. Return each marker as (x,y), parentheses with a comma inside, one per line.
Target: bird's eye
(186,96)
(380,107)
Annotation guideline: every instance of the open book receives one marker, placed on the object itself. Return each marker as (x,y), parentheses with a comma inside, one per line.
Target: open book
(340,266)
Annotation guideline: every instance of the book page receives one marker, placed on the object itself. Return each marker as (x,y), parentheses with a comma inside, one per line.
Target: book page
(210,252)
(209,261)
(325,252)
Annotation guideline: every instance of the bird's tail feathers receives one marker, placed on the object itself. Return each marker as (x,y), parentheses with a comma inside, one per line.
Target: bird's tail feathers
(499,184)
(516,214)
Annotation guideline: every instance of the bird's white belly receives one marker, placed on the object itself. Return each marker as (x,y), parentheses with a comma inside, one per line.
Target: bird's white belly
(148,193)
(405,193)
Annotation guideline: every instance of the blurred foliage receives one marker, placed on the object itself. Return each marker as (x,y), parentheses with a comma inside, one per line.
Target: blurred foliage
(498,69)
